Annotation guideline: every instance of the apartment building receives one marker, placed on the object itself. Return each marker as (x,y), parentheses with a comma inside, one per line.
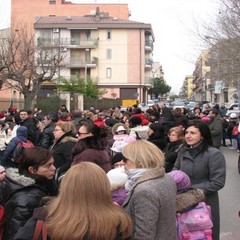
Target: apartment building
(114,52)
(199,81)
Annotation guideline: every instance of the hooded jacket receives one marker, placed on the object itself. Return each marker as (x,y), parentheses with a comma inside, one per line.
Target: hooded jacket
(22,134)
(21,195)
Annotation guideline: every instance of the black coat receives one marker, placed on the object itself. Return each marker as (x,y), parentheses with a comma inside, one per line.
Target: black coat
(33,131)
(62,150)
(47,136)
(171,154)
(159,141)
(21,195)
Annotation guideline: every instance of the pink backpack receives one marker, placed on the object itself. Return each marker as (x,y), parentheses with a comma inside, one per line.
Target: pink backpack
(196,223)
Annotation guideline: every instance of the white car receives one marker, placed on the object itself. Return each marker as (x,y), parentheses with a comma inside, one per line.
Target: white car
(237,112)
(150,103)
(178,105)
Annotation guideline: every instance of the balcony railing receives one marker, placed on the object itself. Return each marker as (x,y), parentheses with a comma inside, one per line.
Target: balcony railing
(148,63)
(149,44)
(148,81)
(87,43)
(80,63)
(49,42)
(94,79)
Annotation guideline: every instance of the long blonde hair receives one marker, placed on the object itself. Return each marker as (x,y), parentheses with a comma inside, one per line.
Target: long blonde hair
(84,207)
(144,154)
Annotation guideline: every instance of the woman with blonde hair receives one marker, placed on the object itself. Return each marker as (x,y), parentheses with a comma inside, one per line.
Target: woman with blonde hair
(151,201)
(83,209)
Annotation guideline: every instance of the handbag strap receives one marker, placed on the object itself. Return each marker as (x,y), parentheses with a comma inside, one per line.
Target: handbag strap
(40,227)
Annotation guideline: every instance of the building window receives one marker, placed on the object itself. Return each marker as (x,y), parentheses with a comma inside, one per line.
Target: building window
(52,1)
(109,34)
(109,53)
(109,73)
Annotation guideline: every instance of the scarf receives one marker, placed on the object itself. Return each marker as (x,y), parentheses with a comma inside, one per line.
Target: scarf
(132,176)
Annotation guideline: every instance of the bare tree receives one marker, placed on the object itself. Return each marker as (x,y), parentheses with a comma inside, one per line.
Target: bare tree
(26,65)
(223,38)
(6,59)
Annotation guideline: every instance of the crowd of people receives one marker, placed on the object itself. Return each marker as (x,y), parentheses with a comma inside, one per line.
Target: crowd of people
(101,173)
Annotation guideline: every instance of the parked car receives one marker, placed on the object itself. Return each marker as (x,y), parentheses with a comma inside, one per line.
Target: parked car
(237,111)
(150,103)
(191,105)
(178,105)
(234,106)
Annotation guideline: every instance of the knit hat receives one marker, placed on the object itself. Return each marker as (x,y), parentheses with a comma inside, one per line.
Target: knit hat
(206,119)
(111,122)
(135,120)
(181,179)
(233,115)
(2,169)
(117,176)
(120,128)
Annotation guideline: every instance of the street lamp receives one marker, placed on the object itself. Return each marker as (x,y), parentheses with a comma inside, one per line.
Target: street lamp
(86,58)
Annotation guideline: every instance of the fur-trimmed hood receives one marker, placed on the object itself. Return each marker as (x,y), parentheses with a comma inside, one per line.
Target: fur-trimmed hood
(69,139)
(13,175)
(115,127)
(189,199)
(14,182)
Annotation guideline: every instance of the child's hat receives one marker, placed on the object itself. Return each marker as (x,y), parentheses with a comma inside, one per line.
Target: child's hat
(2,169)
(117,176)
(181,179)
(121,128)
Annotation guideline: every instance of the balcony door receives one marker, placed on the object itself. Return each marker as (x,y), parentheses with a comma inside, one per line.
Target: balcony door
(75,38)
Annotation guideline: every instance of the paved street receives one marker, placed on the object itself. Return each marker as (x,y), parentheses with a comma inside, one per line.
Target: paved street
(230,198)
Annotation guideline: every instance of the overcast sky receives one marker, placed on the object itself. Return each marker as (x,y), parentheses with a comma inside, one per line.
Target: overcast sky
(175,46)
(5,13)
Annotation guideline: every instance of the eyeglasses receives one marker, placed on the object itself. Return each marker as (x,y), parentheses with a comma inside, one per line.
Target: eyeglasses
(79,133)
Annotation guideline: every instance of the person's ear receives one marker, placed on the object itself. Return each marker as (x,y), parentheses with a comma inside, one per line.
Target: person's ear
(32,170)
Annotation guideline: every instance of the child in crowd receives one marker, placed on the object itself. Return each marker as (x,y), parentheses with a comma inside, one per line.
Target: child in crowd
(187,199)
(121,137)
(176,138)
(117,178)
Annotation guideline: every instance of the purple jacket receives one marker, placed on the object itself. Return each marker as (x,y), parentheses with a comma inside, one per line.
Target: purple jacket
(119,195)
